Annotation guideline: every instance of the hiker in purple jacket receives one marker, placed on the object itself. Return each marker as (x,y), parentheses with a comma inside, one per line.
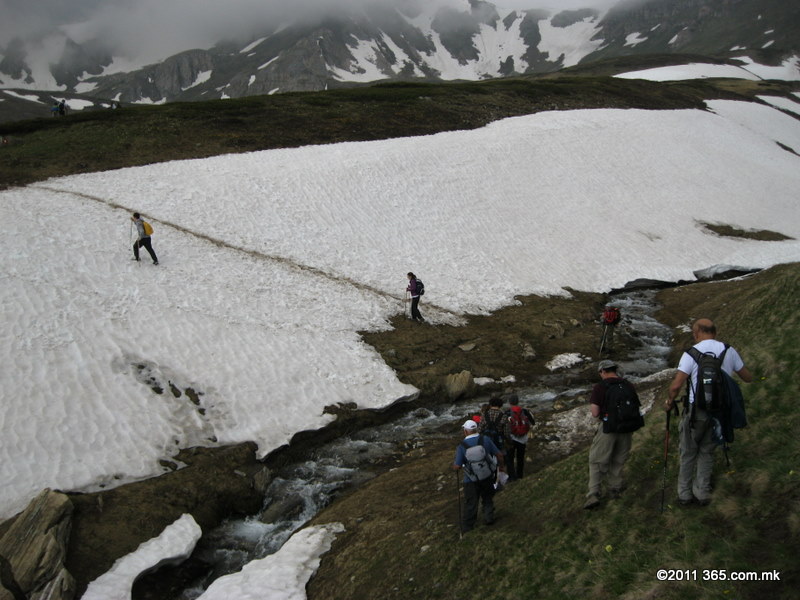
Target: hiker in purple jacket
(414,290)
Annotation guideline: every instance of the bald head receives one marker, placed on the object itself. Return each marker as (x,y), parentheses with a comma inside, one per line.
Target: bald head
(704,329)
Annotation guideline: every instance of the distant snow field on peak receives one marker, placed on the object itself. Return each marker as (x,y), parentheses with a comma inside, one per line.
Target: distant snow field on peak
(789,70)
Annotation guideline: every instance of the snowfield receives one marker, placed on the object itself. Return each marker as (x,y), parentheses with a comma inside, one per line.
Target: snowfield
(271,262)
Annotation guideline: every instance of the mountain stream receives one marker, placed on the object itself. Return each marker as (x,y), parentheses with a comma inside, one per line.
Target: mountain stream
(299,491)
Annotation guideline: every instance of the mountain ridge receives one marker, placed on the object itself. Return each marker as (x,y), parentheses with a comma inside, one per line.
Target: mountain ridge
(465,40)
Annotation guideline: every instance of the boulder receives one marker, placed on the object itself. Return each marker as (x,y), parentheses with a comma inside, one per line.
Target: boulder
(459,385)
(33,551)
(528,353)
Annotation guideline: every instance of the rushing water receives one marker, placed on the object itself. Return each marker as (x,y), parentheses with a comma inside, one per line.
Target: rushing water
(300,491)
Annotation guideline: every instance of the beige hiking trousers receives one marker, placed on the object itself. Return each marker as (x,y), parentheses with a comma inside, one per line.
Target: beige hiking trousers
(607,458)
(697,456)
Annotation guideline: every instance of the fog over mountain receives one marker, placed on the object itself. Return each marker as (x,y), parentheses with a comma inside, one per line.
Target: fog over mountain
(177,25)
(93,53)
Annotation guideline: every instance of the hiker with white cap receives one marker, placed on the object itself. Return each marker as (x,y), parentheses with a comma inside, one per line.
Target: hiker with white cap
(615,404)
(480,459)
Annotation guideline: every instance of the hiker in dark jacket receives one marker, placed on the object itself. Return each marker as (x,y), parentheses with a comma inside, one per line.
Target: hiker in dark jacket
(494,423)
(143,239)
(696,444)
(413,289)
(609,451)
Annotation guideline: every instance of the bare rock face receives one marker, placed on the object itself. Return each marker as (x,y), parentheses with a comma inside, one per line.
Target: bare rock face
(33,551)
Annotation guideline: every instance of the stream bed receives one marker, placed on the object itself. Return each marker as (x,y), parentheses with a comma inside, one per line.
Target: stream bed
(299,491)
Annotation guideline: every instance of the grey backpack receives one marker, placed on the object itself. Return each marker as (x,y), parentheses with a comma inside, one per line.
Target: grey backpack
(480,465)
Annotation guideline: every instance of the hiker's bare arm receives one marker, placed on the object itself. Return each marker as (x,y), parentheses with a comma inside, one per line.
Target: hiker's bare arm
(745,374)
(675,388)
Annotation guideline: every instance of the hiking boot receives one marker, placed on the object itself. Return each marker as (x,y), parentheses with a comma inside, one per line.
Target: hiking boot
(703,501)
(685,501)
(136,258)
(592,501)
(155,262)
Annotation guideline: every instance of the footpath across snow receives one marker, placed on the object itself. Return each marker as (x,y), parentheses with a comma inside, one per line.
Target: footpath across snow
(271,262)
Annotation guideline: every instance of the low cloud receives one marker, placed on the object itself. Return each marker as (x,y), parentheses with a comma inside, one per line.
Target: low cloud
(164,27)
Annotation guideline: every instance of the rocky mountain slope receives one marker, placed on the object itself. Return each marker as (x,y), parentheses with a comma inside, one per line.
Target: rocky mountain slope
(450,40)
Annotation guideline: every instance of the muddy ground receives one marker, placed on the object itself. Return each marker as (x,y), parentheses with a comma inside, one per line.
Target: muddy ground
(518,340)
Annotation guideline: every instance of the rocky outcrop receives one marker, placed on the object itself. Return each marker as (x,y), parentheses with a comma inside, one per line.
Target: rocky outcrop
(459,385)
(61,542)
(211,484)
(33,551)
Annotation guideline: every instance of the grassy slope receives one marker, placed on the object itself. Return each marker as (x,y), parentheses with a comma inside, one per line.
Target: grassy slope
(137,135)
(401,539)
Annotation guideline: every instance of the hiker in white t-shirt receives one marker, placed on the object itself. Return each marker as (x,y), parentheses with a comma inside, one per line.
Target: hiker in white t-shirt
(696,443)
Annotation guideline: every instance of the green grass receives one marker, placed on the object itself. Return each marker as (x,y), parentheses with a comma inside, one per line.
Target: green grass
(136,135)
(545,546)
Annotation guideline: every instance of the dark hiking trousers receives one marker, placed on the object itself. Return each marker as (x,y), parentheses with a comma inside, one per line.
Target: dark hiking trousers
(145,241)
(515,459)
(415,314)
(475,492)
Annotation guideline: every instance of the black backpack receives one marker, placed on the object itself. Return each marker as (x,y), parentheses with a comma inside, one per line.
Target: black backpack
(420,287)
(493,429)
(718,394)
(623,414)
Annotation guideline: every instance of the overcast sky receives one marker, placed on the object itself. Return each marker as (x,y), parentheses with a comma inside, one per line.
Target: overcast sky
(176,21)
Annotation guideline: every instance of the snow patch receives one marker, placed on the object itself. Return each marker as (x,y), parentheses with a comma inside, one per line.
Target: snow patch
(564,361)
(782,103)
(280,576)
(634,39)
(175,543)
(571,43)
(690,71)
(201,78)
(28,97)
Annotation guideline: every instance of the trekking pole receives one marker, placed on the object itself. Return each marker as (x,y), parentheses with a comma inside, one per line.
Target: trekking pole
(603,338)
(460,518)
(666,454)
